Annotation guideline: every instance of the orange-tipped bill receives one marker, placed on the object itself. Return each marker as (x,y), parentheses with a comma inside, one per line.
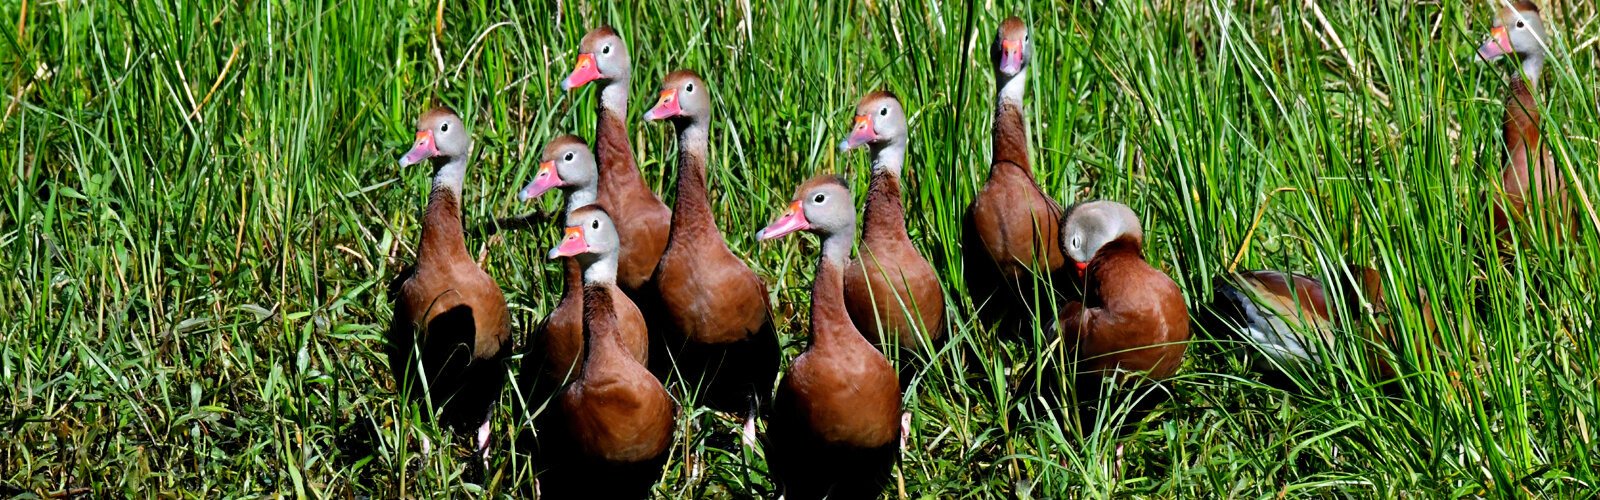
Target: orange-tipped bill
(792,220)
(571,244)
(421,150)
(1499,44)
(1081,267)
(861,134)
(667,107)
(544,181)
(585,72)
(1010,56)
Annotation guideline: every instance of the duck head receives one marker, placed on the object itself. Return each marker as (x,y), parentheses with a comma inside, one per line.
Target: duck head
(823,206)
(601,56)
(1094,224)
(567,164)
(879,120)
(1011,49)
(683,99)
(441,136)
(1518,31)
(591,237)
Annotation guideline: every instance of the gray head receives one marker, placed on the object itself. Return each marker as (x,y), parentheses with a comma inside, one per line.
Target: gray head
(440,134)
(1092,225)
(1012,47)
(601,56)
(592,238)
(822,205)
(567,163)
(879,119)
(1519,32)
(684,98)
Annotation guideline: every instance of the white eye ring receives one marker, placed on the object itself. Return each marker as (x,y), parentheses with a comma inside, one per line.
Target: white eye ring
(819,198)
(1077,242)
(569,156)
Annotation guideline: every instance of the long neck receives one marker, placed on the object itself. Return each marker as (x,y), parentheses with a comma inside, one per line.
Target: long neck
(889,155)
(600,341)
(829,321)
(450,175)
(692,209)
(602,269)
(1010,130)
(1532,71)
(574,275)
(885,217)
(442,235)
(1521,130)
(613,151)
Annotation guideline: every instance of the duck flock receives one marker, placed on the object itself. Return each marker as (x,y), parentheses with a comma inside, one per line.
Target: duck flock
(654,298)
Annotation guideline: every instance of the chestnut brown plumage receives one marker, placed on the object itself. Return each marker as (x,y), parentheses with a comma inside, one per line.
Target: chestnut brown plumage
(1132,317)
(833,428)
(612,426)
(643,220)
(892,293)
(451,328)
(714,321)
(1530,179)
(1009,240)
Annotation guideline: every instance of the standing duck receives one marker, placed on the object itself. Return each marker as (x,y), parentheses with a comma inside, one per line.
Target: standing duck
(1275,311)
(835,418)
(1009,235)
(1132,317)
(556,347)
(891,291)
(447,307)
(603,58)
(1530,172)
(716,323)
(614,421)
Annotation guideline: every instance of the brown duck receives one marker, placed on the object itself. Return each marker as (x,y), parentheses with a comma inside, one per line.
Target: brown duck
(614,423)
(603,58)
(835,419)
(1132,317)
(715,322)
(1530,176)
(1009,235)
(555,351)
(891,291)
(450,319)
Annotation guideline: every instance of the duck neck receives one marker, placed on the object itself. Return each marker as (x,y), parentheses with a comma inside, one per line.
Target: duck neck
(600,342)
(613,152)
(581,196)
(829,322)
(600,269)
(442,234)
(1531,72)
(889,155)
(1010,129)
(885,216)
(692,209)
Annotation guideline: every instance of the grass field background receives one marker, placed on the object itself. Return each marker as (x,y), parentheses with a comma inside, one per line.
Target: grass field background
(203,209)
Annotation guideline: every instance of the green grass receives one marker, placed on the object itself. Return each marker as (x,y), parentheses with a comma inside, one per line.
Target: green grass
(194,280)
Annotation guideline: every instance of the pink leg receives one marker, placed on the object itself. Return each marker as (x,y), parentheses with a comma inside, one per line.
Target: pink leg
(427,445)
(905,429)
(483,443)
(749,434)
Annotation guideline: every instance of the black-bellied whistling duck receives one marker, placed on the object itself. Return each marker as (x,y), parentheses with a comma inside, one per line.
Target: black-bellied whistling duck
(556,347)
(1276,312)
(603,58)
(448,308)
(1009,239)
(614,421)
(891,291)
(1132,317)
(715,320)
(835,418)
(1530,175)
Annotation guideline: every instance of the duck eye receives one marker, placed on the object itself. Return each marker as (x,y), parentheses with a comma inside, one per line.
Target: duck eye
(594,225)
(689,88)
(569,156)
(1076,242)
(605,50)
(445,127)
(884,111)
(1521,25)
(819,198)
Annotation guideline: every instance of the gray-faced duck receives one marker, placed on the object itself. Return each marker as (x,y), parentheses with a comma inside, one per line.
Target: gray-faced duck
(836,417)
(451,328)
(1530,179)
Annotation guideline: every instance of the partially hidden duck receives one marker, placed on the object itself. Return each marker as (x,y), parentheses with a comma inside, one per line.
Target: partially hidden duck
(892,293)
(1133,318)
(613,424)
(1530,179)
(1291,318)
(1010,232)
(643,219)
(715,322)
(835,422)
(555,351)
(450,318)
